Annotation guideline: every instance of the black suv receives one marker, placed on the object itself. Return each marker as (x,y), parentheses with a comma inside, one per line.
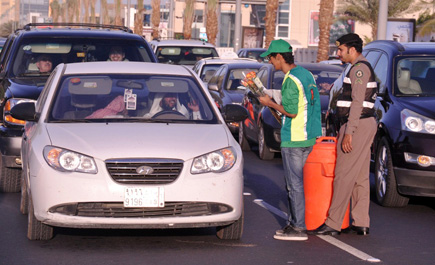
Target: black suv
(22,78)
(404,146)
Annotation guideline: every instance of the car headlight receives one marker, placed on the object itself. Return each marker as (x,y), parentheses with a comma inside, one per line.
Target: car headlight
(217,161)
(69,161)
(414,122)
(7,109)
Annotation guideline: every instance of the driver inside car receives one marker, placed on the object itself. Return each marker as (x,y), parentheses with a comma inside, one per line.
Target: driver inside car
(170,102)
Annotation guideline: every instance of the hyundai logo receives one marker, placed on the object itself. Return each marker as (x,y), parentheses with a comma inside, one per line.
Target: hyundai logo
(144,170)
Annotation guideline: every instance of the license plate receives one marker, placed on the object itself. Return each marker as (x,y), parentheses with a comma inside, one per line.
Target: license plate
(144,197)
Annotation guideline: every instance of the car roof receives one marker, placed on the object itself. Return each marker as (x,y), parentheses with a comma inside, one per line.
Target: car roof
(252,49)
(181,43)
(404,47)
(126,68)
(217,60)
(243,64)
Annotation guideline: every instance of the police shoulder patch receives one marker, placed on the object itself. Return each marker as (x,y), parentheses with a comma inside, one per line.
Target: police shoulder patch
(359,73)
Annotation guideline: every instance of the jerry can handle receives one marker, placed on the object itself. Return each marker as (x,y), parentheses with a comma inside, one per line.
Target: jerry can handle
(326,139)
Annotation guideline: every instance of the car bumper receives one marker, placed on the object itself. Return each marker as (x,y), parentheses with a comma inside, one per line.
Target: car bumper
(51,189)
(415,182)
(10,147)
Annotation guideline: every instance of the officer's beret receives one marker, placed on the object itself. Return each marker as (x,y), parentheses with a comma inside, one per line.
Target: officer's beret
(348,38)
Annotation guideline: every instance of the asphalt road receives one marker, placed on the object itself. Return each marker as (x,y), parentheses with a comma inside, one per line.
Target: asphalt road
(397,235)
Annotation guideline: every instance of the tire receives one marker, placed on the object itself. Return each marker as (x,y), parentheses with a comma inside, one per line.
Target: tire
(263,150)
(232,231)
(385,180)
(35,229)
(24,204)
(9,178)
(243,142)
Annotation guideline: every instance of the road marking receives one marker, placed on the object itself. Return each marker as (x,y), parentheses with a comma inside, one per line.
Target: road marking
(331,240)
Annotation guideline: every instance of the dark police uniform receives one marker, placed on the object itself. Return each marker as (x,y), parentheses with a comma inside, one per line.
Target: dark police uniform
(355,108)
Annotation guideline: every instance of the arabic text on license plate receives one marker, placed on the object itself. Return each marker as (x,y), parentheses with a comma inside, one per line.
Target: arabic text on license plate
(144,197)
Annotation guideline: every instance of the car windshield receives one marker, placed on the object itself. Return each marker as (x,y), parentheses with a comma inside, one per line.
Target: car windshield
(324,80)
(130,98)
(415,76)
(184,55)
(27,61)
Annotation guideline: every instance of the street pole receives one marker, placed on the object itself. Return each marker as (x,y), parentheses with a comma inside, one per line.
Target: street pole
(382,20)
(238,25)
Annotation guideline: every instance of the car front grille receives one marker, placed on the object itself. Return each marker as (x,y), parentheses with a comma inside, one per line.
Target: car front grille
(117,209)
(144,171)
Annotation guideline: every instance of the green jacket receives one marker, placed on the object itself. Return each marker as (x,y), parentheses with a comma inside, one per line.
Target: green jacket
(300,96)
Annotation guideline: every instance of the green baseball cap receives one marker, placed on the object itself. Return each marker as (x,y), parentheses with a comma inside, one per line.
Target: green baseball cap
(278,46)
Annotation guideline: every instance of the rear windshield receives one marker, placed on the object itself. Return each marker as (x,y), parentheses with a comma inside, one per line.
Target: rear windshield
(415,76)
(184,55)
(37,57)
(130,98)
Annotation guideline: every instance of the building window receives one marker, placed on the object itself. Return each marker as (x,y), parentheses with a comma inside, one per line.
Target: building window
(282,27)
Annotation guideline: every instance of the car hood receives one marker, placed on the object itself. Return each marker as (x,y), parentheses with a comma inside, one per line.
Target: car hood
(25,87)
(236,96)
(421,105)
(139,140)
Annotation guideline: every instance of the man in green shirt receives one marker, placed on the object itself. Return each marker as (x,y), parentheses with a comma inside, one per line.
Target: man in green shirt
(301,125)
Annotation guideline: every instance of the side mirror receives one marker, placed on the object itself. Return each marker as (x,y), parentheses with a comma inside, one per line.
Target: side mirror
(234,113)
(24,111)
(213,87)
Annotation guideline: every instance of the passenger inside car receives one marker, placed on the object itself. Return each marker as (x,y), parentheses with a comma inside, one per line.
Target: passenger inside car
(406,84)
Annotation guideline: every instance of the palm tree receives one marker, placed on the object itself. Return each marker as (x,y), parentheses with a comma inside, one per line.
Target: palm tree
(366,11)
(118,21)
(93,19)
(7,28)
(212,21)
(86,6)
(138,20)
(155,17)
(189,13)
(426,20)
(325,20)
(270,20)
(104,12)
(55,10)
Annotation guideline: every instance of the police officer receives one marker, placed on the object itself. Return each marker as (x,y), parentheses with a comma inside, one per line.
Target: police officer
(355,109)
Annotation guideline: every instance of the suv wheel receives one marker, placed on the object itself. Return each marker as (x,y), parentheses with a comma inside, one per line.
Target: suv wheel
(9,179)
(263,150)
(243,142)
(385,181)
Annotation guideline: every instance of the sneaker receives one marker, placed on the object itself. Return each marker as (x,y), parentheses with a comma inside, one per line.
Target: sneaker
(289,233)
(282,231)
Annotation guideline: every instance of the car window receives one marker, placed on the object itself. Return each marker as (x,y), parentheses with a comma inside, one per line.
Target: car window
(381,71)
(184,55)
(278,77)
(235,77)
(373,57)
(221,76)
(214,78)
(43,96)
(69,50)
(208,71)
(263,75)
(130,98)
(324,80)
(415,76)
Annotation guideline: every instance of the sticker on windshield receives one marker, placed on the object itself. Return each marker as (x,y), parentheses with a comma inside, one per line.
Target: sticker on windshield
(171,84)
(90,84)
(127,93)
(131,102)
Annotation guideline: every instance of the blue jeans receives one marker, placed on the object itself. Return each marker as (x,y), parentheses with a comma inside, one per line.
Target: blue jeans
(293,159)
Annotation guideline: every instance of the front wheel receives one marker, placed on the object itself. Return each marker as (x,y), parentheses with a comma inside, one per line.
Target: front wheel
(385,180)
(36,230)
(243,142)
(9,178)
(263,150)
(232,231)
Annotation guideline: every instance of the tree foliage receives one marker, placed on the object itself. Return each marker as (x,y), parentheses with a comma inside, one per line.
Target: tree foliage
(366,11)
(212,21)
(270,20)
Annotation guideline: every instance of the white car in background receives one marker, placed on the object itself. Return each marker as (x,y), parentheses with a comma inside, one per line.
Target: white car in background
(100,151)
(184,52)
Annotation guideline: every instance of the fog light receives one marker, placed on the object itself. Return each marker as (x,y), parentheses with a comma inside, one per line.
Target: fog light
(421,160)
